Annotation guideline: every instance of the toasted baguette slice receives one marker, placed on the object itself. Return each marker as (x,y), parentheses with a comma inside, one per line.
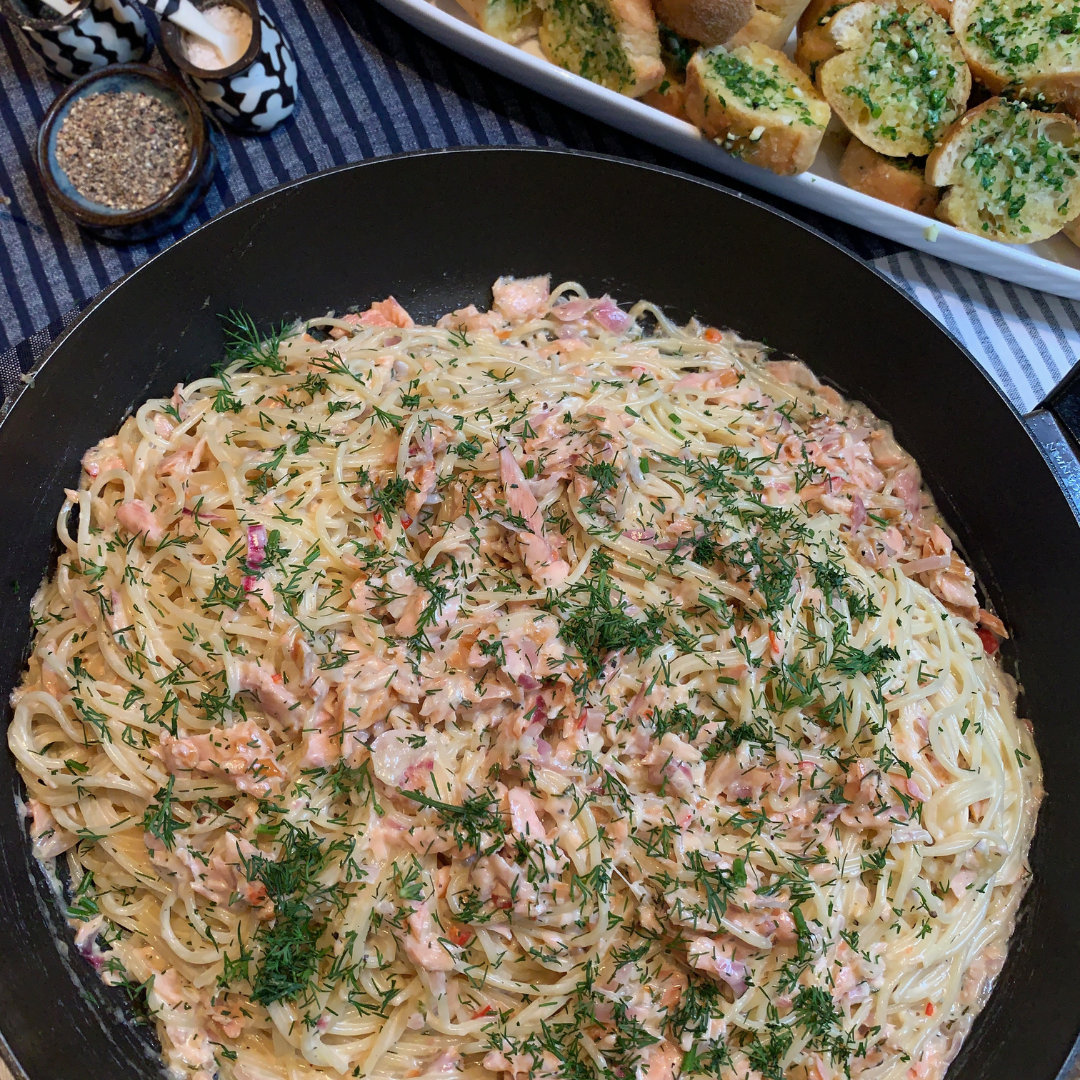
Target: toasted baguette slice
(612,42)
(509,20)
(1013,174)
(771,25)
(710,22)
(668,97)
(788,10)
(899,181)
(1018,44)
(814,44)
(758,105)
(899,79)
(818,12)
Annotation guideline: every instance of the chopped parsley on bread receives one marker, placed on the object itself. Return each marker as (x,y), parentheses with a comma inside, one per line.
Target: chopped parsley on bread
(899,78)
(900,181)
(1012,173)
(513,21)
(756,104)
(612,42)
(1032,45)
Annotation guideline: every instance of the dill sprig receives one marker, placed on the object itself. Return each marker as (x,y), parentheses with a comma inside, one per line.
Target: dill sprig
(476,823)
(595,620)
(244,345)
(291,955)
(159,820)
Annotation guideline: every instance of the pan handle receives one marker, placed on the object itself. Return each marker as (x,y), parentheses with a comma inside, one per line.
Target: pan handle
(1055,426)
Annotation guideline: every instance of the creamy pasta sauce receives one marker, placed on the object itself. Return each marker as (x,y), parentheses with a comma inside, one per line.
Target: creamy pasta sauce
(554,692)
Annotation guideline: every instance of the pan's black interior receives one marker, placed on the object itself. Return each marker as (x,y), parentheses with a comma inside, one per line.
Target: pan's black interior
(435,230)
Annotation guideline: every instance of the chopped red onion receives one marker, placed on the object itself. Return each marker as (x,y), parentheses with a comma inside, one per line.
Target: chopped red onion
(610,316)
(573,309)
(858,512)
(256,545)
(931,562)
(733,972)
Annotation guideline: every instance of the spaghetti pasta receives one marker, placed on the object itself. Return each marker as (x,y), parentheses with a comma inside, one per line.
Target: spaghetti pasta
(551,692)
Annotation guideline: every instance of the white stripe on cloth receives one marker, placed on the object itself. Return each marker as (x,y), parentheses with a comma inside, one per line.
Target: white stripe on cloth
(1025,341)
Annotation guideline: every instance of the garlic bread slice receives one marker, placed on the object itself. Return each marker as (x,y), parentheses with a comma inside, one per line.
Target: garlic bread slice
(1021,44)
(758,105)
(513,21)
(814,45)
(899,79)
(900,181)
(1013,174)
(611,42)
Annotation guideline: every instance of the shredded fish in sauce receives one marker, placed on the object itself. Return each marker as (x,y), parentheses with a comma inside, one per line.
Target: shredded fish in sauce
(554,692)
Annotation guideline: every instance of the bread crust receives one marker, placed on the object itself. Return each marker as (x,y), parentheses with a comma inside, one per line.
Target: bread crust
(868,82)
(818,12)
(669,97)
(785,141)
(892,180)
(812,50)
(711,22)
(814,45)
(1072,230)
(770,27)
(972,206)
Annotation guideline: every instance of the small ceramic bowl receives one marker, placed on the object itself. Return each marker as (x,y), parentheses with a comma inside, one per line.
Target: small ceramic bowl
(94,33)
(130,226)
(256,93)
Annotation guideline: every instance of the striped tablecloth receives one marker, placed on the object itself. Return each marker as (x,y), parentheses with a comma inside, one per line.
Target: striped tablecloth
(377,87)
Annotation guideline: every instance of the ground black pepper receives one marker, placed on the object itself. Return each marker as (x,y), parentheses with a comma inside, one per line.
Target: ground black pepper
(123,150)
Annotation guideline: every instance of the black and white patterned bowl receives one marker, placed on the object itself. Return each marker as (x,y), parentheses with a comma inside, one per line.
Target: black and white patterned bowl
(95,33)
(256,93)
(130,226)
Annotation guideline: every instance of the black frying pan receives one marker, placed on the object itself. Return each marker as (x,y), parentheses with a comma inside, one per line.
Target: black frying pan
(435,230)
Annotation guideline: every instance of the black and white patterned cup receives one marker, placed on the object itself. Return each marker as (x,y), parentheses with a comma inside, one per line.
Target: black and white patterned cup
(256,93)
(93,34)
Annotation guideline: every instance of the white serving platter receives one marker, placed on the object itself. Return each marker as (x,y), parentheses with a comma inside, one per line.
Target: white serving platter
(1051,265)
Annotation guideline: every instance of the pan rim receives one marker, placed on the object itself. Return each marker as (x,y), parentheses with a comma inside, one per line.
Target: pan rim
(293,185)
(296,185)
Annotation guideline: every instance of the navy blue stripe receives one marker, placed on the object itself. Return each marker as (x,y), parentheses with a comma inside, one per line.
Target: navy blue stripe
(327,76)
(386,36)
(364,67)
(41,202)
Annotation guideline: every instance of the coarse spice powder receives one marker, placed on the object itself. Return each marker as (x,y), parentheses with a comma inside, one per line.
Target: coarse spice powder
(122,149)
